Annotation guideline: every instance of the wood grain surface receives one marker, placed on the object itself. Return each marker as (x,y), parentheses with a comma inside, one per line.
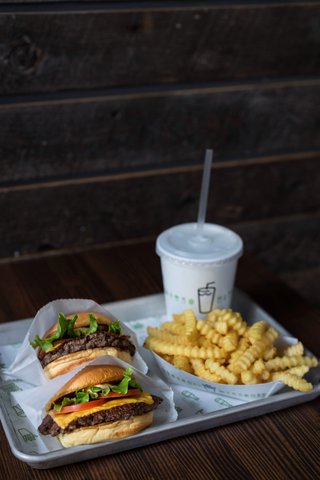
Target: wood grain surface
(306,281)
(108,106)
(143,130)
(143,44)
(280,445)
(48,216)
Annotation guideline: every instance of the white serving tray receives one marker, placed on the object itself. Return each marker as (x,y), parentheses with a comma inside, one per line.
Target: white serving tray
(130,311)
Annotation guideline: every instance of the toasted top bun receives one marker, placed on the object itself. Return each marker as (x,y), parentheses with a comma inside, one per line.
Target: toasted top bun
(88,376)
(83,320)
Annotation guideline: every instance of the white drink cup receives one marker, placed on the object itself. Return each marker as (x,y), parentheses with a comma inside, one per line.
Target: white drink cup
(198,271)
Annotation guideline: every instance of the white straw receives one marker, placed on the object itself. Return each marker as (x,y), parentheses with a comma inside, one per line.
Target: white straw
(204,191)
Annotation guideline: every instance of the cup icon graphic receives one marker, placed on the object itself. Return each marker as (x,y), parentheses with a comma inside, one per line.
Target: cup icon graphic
(205,297)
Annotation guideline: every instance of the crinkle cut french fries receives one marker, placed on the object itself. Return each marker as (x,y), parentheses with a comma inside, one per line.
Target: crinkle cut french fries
(224,349)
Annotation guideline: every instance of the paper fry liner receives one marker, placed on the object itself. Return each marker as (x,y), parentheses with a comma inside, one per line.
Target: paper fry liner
(241,392)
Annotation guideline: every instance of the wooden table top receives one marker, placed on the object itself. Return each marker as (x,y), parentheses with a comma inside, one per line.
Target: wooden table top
(281,445)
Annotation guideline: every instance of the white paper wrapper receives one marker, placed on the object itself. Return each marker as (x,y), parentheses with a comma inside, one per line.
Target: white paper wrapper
(33,400)
(26,365)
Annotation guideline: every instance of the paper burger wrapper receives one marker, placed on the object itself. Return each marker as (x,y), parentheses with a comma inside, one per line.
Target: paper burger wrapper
(258,391)
(33,400)
(26,365)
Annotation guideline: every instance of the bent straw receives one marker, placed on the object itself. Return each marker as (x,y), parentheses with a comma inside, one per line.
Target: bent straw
(204,191)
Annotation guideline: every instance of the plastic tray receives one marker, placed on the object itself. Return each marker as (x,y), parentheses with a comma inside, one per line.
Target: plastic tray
(130,311)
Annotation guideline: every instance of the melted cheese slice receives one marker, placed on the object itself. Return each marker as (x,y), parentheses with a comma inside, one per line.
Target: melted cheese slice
(63,419)
(55,345)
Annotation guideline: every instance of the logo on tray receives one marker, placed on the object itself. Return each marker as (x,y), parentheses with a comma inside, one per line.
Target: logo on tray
(27,435)
(10,387)
(18,410)
(205,297)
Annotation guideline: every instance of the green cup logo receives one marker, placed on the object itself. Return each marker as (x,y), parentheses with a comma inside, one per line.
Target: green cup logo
(137,326)
(27,435)
(10,387)
(223,402)
(189,395)
(199,412)
(18,410)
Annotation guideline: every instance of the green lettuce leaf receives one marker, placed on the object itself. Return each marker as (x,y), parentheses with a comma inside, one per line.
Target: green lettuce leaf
(82,396)
(123,386)
(65,401)
(70,328)
(65,328)
(115,327)
(38,342)
(93,327)
(106,390)
(61,332)
(93,392)
(90,393)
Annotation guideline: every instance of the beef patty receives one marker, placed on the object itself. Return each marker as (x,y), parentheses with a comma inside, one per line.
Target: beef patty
(122,412)
(100,339)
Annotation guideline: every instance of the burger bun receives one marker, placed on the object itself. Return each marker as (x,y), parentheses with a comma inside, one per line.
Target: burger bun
(67,363)
(106,431)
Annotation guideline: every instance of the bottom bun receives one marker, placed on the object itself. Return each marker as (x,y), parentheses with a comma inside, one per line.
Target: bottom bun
(106,431)
(69,362)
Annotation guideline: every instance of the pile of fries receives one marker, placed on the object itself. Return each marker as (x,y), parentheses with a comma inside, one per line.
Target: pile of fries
(224,349)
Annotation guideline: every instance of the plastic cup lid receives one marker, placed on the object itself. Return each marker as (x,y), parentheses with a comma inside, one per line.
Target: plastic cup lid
(217,244)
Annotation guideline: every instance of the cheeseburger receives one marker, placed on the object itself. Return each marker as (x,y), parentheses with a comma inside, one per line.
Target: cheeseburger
(101,402)
(80,338)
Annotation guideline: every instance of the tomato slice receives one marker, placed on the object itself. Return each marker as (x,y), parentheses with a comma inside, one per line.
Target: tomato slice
(82,406)
(131,393)
(99,401)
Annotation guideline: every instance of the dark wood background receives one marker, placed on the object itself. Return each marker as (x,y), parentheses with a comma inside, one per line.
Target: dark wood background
(106,109)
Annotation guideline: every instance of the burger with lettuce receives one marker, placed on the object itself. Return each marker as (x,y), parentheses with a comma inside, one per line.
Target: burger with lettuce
(80,338)
(101,402)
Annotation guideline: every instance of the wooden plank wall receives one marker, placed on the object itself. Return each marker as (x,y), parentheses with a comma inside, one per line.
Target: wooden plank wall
(106,109)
